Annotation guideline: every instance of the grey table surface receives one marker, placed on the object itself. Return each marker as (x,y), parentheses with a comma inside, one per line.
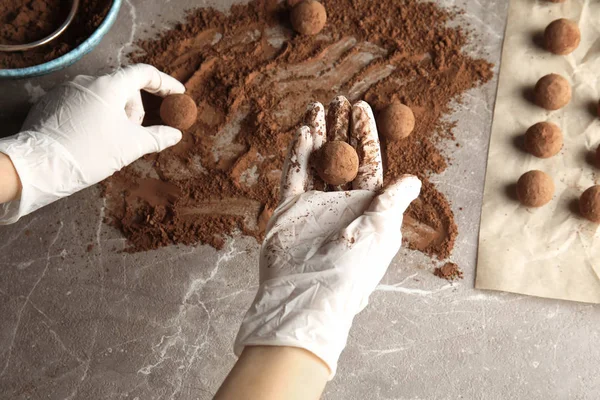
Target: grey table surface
(101,324)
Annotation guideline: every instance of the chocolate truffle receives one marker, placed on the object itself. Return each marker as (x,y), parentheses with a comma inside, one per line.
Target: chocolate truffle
(178,111)
(552,92)
(337,162)
(535,188)
(562,36)
(308,17)
(396,121)
(543,139)
(589,204)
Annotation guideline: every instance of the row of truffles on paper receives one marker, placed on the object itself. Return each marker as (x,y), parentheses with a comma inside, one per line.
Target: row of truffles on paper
(545,139)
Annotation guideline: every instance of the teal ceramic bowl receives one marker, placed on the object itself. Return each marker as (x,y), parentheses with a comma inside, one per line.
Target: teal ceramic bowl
(70,57)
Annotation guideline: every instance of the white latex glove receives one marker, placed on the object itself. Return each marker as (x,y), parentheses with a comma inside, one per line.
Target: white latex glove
(325,252)
(82,132)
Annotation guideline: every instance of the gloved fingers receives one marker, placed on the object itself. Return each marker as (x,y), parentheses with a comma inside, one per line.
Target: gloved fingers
(363,136)
(396,198)
(338,126)
(296,175)
(338,119)
(315,120)
(157,138)
(146,77)
(382,221)
(134,108)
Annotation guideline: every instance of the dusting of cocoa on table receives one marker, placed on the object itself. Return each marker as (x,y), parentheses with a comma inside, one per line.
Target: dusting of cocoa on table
(25,21)
(449,271)
(252,78)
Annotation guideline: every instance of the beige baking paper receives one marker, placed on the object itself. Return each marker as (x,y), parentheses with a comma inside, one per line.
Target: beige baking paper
(552,251)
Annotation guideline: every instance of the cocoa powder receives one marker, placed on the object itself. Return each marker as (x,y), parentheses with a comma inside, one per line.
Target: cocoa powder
(252,78)
(30,20)
(449,271)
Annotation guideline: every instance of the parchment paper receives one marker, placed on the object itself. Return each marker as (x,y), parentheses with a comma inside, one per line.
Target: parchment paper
(552,251)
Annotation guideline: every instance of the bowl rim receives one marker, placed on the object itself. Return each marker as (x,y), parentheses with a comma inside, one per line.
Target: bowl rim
(71,56)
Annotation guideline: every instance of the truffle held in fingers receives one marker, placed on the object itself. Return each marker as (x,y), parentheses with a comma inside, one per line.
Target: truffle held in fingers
(396,121)
(337,163)
(543,139)
(308,17)
(552,92)
(562,36)
(178,111)
(535,188)
(589,204)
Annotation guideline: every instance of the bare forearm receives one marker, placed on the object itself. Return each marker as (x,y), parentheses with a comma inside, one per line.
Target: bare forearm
(266,373)
(10,184)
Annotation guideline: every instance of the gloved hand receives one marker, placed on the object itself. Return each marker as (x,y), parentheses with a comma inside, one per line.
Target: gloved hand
(325,252)
(82,132)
